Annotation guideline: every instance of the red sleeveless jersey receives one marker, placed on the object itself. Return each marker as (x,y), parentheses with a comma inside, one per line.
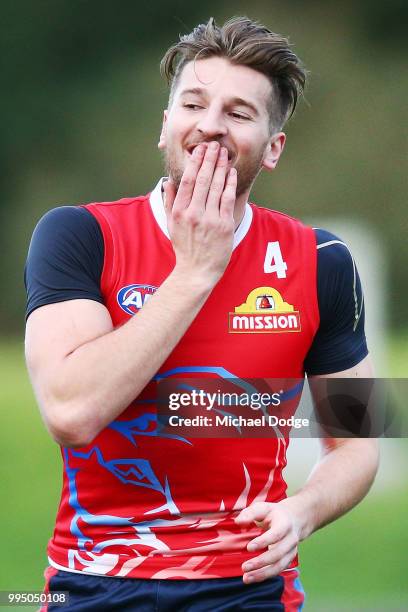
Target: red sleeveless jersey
(139,504)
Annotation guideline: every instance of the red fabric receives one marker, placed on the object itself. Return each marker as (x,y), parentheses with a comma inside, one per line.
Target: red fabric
(48,574)
(118,488)
(293,596)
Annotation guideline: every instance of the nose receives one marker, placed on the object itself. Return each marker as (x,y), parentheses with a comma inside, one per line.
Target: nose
(211,124)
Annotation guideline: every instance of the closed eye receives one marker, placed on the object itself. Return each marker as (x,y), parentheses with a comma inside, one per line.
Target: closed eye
(239,116)
(192,106)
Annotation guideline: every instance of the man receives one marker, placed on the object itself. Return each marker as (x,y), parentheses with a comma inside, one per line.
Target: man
(150,520)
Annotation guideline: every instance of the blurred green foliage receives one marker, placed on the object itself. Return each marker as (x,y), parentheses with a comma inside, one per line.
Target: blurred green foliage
(356,564)
(82,101)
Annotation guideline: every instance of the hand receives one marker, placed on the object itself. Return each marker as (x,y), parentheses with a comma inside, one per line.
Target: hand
(281,538)
(200,214)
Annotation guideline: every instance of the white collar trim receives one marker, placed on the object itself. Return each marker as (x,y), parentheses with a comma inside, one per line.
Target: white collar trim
(156,203)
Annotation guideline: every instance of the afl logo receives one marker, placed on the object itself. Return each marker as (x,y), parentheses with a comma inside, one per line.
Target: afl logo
(132,297)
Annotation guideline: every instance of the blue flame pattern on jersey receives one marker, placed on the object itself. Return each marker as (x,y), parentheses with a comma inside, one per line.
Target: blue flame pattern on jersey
(138,472)
(140,425)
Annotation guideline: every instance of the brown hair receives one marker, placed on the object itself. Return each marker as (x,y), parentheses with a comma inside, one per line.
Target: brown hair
(248,43)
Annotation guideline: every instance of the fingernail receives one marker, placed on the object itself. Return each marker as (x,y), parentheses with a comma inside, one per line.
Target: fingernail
(249,579)
(214,146)
(248,567)
(223,152)
(199,149)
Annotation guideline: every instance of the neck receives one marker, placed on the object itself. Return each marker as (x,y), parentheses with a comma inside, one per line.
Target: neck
(239,208)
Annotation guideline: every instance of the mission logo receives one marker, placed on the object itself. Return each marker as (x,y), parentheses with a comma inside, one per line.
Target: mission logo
(264,312)
(132,297)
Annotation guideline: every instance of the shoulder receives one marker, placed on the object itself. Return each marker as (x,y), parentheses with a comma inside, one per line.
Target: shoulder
(119,215)
(338,282)
(332,250)
(64,232)
(112,205)
(340,341)
(65,258)
(289,228)
(65,220)
(269,214)
(67,214)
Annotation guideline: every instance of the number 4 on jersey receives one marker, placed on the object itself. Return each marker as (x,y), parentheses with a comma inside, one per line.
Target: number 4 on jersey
(274,260)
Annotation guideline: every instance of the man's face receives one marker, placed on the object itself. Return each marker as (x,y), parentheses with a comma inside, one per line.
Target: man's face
(217,100)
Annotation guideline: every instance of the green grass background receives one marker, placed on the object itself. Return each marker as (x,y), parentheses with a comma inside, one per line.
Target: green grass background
(357,564)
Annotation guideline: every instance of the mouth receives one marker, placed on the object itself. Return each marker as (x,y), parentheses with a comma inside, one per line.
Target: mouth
(190,150)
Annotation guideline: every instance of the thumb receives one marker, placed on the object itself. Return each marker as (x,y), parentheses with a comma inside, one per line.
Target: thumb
(256,512)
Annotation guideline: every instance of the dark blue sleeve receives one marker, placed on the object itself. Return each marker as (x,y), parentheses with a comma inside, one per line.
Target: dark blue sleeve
(340,341)
(65,258)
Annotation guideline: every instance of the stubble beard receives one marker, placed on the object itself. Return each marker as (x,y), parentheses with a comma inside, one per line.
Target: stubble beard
(247,171)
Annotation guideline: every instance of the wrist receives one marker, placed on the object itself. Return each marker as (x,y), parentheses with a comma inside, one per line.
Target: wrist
(302,513)
(189,279)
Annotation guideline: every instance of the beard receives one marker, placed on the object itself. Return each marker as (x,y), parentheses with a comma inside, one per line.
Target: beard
(247,169)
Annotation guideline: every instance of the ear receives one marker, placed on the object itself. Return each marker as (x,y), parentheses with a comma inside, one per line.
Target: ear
(162,140)
(273,151)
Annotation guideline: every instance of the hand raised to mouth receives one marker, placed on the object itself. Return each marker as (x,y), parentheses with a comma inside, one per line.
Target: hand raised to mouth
(200,213)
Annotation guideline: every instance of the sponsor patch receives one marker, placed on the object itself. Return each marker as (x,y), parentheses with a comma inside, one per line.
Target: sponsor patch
(264,312)
(132,297)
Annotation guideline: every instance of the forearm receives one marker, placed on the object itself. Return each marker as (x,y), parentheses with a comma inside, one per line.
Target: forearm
(95,382)
(84,372)
(341,479)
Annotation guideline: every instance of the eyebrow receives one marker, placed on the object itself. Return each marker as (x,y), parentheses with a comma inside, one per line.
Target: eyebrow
(198,91)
